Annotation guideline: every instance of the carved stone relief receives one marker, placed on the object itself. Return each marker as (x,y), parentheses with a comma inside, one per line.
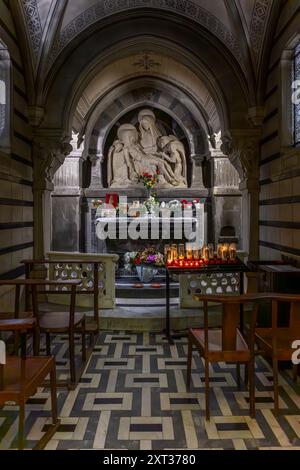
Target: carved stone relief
(146,150)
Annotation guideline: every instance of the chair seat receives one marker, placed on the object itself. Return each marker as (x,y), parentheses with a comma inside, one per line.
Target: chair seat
(284,340)
(58,321)
(215,347)
(11,315)
(22,377)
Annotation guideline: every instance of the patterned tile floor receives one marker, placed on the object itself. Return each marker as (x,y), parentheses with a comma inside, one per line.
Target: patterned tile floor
(132,395)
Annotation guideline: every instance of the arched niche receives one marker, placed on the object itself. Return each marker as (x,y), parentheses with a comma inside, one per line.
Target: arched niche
(165,123)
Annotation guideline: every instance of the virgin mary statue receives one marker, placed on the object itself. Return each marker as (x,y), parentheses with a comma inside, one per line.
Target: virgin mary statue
(149,132)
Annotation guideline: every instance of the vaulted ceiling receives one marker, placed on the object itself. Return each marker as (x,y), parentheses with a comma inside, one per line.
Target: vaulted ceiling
(52,31)
(51,25)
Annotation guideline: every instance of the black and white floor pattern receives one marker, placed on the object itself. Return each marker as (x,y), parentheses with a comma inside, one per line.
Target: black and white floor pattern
(133,395)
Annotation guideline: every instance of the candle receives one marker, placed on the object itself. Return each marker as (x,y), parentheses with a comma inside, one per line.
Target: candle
(225,252)
(189,251)
(219,250)
(169,256)
(174,251)
(205,253)
(181,251)
(196,254)
(211,250)
(232,252)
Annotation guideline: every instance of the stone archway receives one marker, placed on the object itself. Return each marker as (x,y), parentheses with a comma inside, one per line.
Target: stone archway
(66,92)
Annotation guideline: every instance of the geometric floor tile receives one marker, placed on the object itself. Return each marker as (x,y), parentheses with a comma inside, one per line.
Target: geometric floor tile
(147,349)
(170,363)
(107,363)
(107,401)
(233,427)
(146,380)
(217,379)
(294,422)
(149,428)
(69,429)
(133,395)
(181,401)
(263,400)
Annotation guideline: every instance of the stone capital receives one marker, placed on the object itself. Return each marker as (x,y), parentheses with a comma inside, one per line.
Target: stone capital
(49,153)
(242,148)
(199,158)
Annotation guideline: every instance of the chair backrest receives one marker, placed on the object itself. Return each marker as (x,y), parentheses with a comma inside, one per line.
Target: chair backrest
(231,316)
(85,269)
(72,292)
(276,300)
(33,284)
(295,314)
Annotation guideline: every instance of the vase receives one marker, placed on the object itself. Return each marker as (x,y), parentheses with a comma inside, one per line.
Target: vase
(146,273)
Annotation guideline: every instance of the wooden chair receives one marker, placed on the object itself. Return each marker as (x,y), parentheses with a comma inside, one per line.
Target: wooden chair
(60,322)
(92,324)
(275,342)
(223,344)
(55,322)
(21,376)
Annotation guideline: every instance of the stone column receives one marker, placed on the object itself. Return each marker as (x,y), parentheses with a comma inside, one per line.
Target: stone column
(197,173)
(48,156)
(66,202)
(96,171)
(242,148)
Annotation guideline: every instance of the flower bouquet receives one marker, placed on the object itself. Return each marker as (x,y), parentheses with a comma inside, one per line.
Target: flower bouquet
(146,262)
(97,203)
(149,181)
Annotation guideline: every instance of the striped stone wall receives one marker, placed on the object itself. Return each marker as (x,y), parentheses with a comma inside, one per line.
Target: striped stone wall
(16,198)
(280,163)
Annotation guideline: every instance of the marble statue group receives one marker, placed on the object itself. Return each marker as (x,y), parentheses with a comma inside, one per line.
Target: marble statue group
(146,150)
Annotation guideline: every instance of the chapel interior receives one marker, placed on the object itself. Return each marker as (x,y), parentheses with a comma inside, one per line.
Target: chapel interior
(128,127)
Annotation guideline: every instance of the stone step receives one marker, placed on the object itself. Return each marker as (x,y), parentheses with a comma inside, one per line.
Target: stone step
(147,302)
(130,288)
